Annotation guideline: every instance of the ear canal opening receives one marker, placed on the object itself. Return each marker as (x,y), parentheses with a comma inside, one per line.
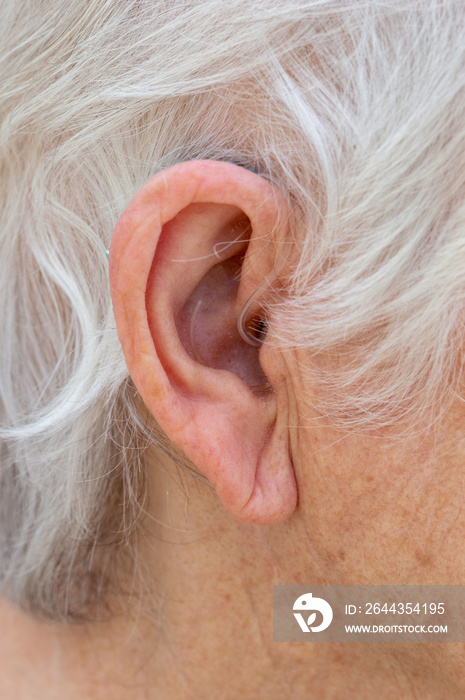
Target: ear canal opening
(253,332)
(256,330)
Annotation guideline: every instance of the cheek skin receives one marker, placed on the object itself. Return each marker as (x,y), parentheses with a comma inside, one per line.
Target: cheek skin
(376,510)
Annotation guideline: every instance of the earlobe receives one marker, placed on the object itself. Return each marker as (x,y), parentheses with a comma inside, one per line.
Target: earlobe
(186,255)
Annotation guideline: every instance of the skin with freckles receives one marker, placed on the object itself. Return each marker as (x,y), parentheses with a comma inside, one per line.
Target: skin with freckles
(296,501)
(374,514)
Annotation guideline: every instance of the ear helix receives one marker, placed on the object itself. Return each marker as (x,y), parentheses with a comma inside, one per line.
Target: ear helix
(220,246)
(252,332)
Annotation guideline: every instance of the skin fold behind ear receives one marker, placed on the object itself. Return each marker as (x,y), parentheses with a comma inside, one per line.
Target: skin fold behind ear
(200,236)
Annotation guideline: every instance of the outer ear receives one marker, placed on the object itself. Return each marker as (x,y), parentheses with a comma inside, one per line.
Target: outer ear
(191,247)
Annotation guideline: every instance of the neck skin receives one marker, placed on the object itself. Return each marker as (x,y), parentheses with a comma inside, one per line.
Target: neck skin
(370,512)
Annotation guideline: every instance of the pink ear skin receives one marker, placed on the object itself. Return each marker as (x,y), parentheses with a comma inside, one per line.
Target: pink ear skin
(161,261)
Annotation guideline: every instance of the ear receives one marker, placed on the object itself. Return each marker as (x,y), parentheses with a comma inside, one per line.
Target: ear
(191,248)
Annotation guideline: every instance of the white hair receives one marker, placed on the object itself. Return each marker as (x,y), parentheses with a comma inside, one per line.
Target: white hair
(354,109)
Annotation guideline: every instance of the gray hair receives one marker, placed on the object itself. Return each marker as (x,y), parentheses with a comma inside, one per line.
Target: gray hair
(354,109)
